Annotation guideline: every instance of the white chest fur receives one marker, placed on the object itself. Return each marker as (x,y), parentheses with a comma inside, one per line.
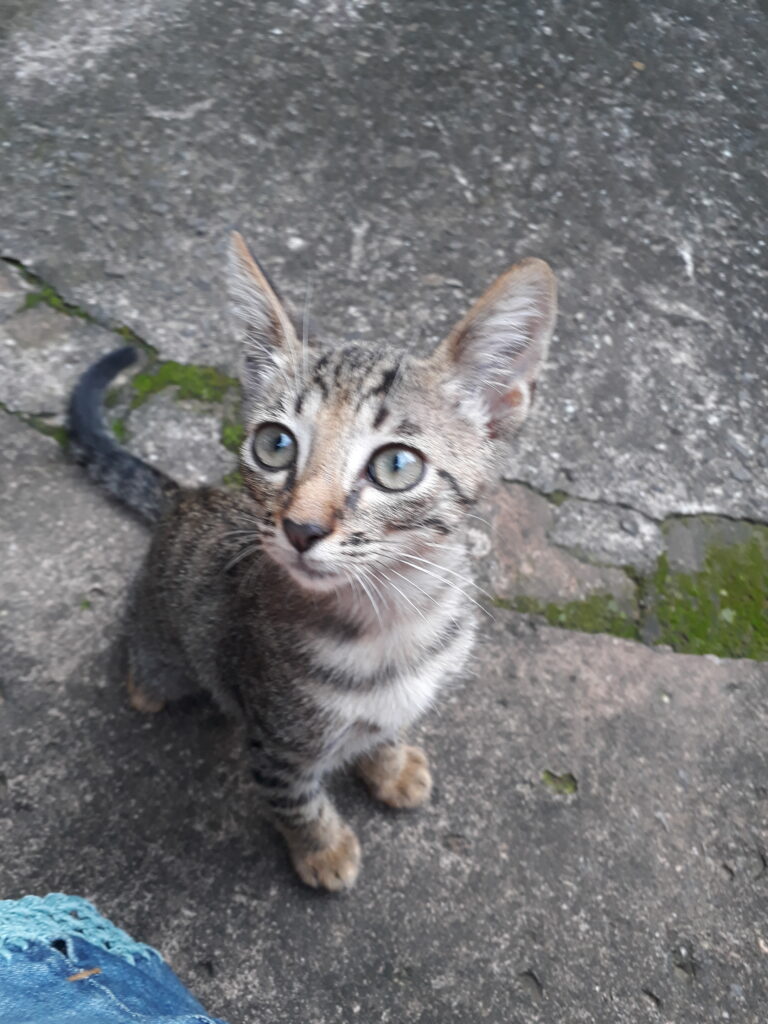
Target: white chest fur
(394,703)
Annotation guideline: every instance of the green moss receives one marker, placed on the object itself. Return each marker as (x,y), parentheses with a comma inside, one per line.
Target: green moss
(205,383)
(47,296)
(598,613)
(232,435)
(112,397)
(129,335)
(44,294)
(722,609)
(564,784)
(85,604)
(557,498)
(120,430)
(59,434)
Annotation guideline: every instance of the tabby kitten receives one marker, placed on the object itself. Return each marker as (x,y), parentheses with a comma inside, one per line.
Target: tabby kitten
(326,604)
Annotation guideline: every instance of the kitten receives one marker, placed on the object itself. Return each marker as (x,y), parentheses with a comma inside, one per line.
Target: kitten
(326,604)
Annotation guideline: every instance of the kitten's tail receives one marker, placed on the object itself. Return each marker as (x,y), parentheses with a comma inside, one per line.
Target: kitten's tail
(136,484)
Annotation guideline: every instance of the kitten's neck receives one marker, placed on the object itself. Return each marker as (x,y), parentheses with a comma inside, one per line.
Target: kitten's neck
(430,586)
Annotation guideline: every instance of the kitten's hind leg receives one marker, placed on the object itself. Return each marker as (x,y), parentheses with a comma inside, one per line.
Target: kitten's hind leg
(397,774)
(140,700)
(324,850)
(155,676)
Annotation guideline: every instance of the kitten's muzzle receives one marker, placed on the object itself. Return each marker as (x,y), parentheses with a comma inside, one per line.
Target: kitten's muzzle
(303,535)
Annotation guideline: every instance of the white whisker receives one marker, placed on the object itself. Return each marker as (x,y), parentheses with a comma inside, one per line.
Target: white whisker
(480,519)
(445,547)
(252,549)
(450,584)
(305,325)
(404,596)
(458,575)
(426,593)
(374,605)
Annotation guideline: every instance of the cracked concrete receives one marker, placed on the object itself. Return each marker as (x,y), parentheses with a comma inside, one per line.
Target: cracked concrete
(526,558)
(399,161)
(607,534)
(42,352)
(396,160)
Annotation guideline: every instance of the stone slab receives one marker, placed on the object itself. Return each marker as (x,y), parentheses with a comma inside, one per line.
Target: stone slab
(607,534)
(524,557)
(391,160)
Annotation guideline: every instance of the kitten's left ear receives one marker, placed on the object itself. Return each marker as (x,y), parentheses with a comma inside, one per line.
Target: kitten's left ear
(495,354)
(265,327)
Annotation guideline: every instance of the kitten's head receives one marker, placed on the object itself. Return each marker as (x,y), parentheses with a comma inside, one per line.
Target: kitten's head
(360,458)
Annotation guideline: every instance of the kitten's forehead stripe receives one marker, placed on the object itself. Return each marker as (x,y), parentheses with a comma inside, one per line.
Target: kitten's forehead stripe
(381,416)
(381,389)
(318,378)
(407,428)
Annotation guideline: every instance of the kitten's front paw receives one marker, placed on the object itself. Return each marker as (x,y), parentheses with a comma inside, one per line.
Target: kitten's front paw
(335,867)
(407,785)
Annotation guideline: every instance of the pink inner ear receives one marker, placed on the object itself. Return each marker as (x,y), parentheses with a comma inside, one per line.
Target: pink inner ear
(513,398)
(509,400)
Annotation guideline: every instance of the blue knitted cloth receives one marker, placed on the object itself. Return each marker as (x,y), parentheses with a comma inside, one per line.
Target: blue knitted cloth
(62,962)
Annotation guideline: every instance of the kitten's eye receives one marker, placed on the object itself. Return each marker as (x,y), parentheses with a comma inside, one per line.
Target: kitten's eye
(396,469)
(274,447)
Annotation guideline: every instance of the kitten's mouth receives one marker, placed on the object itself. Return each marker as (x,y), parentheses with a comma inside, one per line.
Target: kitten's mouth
(313,574)
(307,576)
(313,579)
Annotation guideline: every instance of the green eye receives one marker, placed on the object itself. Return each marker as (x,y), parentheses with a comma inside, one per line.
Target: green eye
(396,469)
(274,447)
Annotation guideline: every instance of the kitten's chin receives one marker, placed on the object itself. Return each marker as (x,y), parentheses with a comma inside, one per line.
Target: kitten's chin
(309,578)
(319,582)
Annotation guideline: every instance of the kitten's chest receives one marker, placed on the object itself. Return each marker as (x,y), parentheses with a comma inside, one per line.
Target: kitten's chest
(387,683)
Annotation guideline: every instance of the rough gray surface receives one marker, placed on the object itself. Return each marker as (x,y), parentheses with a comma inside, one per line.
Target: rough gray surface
(42,353)
(607,533)
(397,157)
(13,290)
(647,884)
(181,437)
(66,565)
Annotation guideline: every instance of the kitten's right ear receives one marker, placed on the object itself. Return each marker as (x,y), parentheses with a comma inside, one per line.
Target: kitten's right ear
(494,355)
(264,326)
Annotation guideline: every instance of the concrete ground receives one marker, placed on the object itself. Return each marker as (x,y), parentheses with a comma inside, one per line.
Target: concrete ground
(597,849)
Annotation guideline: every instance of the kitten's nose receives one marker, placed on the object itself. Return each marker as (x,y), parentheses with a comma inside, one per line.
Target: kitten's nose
(304,535)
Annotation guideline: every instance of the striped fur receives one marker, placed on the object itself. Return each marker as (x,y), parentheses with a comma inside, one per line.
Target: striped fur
(331,653)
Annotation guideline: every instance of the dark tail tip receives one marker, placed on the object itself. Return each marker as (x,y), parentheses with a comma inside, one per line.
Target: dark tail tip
(84,419)
(136,484)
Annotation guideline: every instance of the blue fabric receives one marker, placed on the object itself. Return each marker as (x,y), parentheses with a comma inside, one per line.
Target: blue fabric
(62,962)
